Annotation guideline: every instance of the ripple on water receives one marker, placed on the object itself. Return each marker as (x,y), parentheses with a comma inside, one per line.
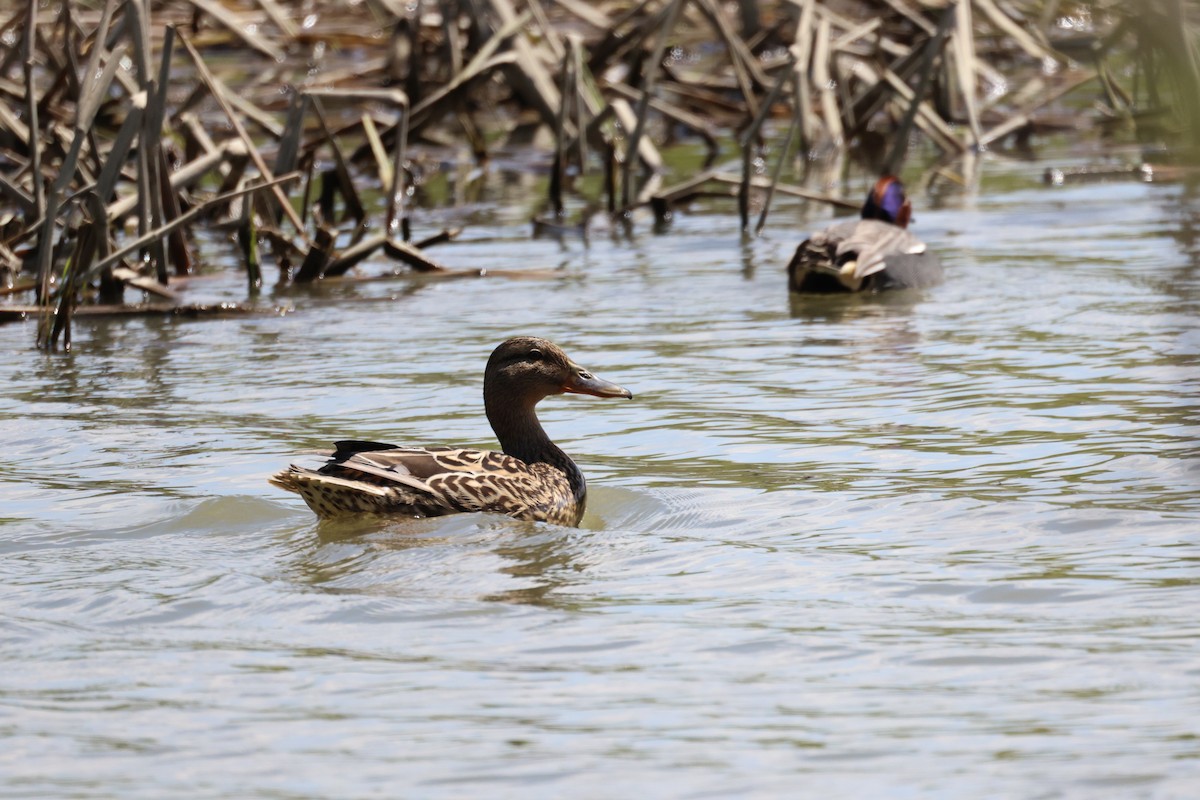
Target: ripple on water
(938,543)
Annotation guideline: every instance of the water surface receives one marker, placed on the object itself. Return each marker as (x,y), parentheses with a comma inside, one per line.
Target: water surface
(933,543)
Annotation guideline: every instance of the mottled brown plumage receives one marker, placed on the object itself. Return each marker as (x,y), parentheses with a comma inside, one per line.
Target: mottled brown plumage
(532,479)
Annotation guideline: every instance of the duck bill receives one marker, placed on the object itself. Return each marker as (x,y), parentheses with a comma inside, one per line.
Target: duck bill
(584,382)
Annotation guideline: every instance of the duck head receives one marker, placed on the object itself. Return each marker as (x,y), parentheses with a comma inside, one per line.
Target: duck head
(887,201)
(527,369)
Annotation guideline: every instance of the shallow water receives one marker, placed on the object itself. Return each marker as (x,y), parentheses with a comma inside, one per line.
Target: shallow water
(937,543)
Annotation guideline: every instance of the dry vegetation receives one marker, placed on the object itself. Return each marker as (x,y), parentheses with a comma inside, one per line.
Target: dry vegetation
(294,124)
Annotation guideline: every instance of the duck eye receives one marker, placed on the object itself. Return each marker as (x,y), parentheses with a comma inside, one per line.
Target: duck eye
(535,354)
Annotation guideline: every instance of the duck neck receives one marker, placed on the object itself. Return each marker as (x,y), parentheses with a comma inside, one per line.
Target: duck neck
(521,436)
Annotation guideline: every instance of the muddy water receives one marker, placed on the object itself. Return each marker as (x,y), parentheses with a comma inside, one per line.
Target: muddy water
(938,543)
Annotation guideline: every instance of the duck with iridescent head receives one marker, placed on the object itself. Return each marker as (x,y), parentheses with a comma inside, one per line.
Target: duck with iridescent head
(531,479)
(873,253)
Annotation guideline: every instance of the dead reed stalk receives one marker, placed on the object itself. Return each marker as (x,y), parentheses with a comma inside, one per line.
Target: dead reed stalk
(139,133)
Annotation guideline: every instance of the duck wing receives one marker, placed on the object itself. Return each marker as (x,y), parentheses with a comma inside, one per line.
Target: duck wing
(873,244)
(427,481)
(424,462)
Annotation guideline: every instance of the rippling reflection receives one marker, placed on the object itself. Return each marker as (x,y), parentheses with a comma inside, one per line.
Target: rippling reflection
(935,542)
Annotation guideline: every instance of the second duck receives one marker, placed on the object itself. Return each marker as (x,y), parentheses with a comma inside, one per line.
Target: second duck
(869,254)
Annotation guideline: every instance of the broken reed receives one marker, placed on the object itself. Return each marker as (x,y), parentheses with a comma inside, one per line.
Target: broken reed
(117,136)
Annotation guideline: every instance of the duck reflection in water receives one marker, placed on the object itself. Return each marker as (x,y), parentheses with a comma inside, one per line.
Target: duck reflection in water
(873,253)
(481,556)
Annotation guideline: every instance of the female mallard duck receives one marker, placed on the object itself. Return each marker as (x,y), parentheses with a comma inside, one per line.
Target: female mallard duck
(872,253)
(532,479)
